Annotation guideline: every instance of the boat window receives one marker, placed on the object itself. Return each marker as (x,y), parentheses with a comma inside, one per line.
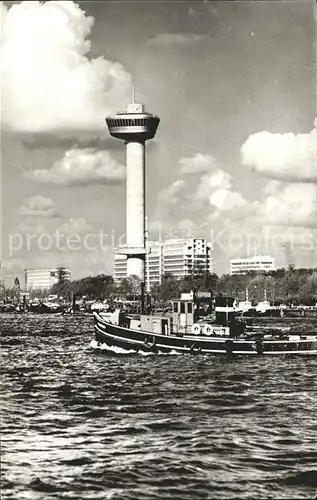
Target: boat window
(175,307)
(189,307)
(182,307)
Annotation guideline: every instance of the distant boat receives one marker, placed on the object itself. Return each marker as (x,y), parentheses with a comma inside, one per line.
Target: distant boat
(189,329)
(45,308)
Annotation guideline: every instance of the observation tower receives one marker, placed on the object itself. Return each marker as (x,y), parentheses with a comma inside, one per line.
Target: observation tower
(134,127)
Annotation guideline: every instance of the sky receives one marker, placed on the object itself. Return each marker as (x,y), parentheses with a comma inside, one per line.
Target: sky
(234,157)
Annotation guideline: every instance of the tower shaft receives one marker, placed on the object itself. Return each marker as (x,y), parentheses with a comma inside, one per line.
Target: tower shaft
(135,204)
(134,127)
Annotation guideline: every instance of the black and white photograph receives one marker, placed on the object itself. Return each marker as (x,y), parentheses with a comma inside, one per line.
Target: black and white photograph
(158,250)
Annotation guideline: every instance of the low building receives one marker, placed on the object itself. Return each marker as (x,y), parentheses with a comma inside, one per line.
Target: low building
(255,263)
(43,279)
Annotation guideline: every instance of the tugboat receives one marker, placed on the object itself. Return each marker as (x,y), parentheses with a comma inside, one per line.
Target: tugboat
(195,327)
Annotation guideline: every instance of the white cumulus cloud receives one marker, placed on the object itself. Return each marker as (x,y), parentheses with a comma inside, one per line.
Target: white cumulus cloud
(226,200)
(282,156)
(48,82)
(215,188)
(38,206)
(293,204)
(81,167)
(170,194)
(209,183)
(198,164)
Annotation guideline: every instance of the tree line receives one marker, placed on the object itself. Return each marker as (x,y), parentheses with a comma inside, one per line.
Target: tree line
(291,285)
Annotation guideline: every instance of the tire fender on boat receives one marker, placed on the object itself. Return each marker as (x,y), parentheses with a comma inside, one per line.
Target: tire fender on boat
(196,329)
(195,349)
(207,330)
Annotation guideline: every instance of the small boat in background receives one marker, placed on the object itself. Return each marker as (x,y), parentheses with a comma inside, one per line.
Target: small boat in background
(197,325)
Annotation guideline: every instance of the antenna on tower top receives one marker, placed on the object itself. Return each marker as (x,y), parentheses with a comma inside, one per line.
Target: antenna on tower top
(133,94)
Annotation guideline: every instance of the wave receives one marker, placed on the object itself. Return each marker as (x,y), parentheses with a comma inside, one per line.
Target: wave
(120,350)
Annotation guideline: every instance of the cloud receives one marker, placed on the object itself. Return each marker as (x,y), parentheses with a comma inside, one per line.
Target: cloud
(271,187)
(209,183)
(75,226)
(282,156)
(293,204)
(170,194)
(81,167)
(198,164)
(38,206)
(48,82)
(226,200)
(215,189)
(166,39)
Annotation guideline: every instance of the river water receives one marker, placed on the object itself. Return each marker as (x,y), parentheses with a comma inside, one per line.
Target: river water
(79,424)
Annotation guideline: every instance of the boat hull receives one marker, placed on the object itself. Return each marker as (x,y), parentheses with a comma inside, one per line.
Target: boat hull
(115,336)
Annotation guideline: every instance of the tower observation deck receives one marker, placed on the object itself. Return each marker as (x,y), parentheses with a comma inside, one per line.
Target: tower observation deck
(134,127)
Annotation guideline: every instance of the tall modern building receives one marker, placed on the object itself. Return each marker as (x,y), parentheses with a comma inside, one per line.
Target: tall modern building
(179,257)
(134,127)
(182,257)
(255,263)
(43,279)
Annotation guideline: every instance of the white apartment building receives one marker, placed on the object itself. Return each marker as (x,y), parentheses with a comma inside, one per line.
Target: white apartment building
(179,257)
(255,263)
(182,257)
(154,264)
(37,279)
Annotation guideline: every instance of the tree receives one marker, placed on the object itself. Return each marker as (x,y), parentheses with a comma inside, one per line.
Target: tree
(200,280)
(16,283)
(16,290)
(94,287)
(170,287)
(130,286)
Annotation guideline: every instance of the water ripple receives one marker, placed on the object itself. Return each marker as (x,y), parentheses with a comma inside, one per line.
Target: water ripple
(80,424)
